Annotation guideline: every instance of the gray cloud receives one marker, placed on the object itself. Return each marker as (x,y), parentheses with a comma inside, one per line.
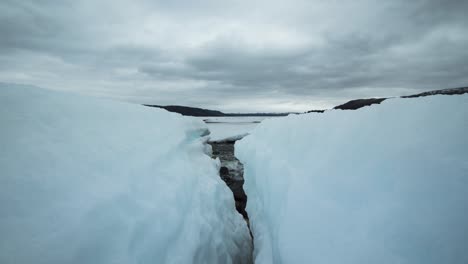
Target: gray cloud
(252,56)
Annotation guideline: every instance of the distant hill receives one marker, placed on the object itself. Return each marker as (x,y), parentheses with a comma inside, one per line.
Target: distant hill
(315,111)
(189,111)
(359,103)
(450,91)
(350,105)
(194,111)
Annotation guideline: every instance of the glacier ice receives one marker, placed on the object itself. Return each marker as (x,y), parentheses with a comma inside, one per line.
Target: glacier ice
(223,129)
(384,184)
(86,180)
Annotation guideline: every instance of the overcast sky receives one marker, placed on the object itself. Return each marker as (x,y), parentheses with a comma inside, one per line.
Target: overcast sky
(236,56)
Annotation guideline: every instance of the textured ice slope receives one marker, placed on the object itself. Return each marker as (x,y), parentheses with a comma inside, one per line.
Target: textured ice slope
(384,184)
(84,180)
(231,128)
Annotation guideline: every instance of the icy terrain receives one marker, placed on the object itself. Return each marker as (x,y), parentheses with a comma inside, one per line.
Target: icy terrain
(84,180)
(231,128)
(386,184)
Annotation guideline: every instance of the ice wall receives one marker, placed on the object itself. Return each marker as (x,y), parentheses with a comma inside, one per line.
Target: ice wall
(384,184)
(84,180)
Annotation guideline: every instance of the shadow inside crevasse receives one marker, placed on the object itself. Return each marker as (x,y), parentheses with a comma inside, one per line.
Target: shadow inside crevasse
(232,172)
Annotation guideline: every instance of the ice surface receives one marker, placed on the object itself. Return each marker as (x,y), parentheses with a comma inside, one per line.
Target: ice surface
(84,180)
(223,131)
(383,184)
(231,128)
(229,138)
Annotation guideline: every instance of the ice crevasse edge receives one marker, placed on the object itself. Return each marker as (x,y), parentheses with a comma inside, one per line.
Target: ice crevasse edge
(85,180)
(383,184)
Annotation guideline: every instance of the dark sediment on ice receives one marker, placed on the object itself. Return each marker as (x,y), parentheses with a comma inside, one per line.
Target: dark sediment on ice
(232,172)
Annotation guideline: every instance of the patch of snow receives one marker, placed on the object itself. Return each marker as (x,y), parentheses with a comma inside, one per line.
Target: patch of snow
(230,139)
(221,131)
(386,184)
(231,128)
(85,180)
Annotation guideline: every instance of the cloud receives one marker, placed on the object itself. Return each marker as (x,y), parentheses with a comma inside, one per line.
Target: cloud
(237,56)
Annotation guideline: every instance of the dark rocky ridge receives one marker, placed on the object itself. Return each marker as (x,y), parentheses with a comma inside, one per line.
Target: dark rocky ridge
(450,91)
(189,111)
(315,111)
(359,103)
(195,111)
(350,105)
